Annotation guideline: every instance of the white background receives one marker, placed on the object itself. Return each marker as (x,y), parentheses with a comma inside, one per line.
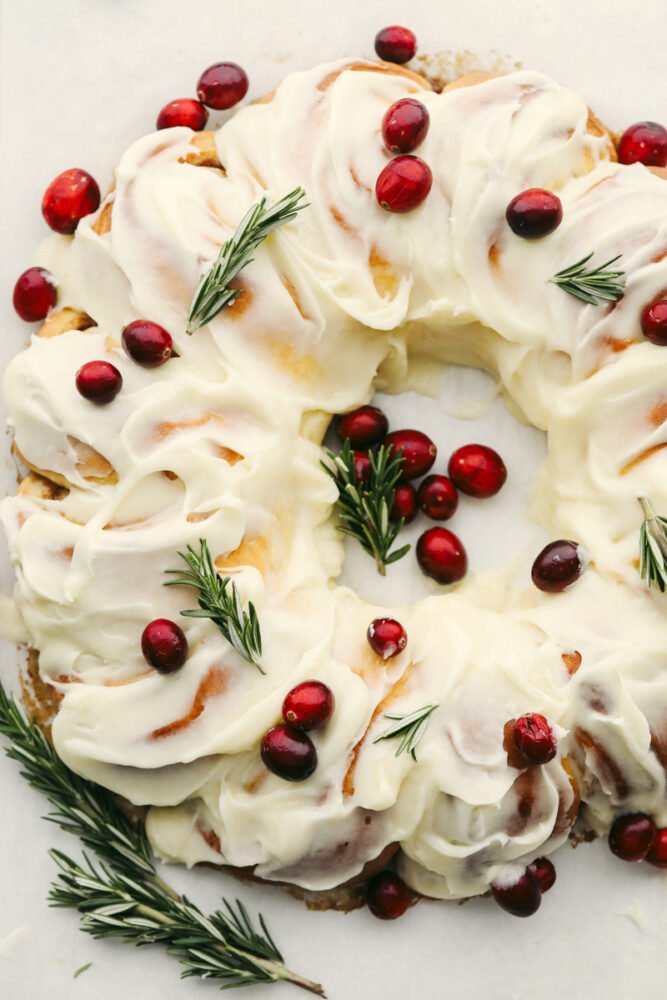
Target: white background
(80,79)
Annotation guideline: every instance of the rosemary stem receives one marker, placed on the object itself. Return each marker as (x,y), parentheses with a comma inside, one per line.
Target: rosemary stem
(148,911)
(380,565)
(166,888)
(647,508)
(276,970)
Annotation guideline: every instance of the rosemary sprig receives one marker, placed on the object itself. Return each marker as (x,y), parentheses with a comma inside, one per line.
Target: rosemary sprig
(240,628)
(411,727)
(364,507)
(212,294)
(653,546)
(591,285)
(123,896)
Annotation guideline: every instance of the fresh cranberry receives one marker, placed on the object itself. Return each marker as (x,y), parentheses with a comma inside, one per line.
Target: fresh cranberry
(405,503)
(362,467)
(631,836)
(418,451)
(534,738)
(387,896)
(557,566)
(543,873)
(222,85)
(309,705)
(437,497)
(403,184)
(477,470)
(386,637)
(395,44)
(99,381)
(288,753)
(186,111)
(34,294)
(654,323)
(164,645)
(521,898)
(364,426)
(441,555)
(147,343)
(657,853)
(69,197)
(534,213)
(644,142)
(405,125)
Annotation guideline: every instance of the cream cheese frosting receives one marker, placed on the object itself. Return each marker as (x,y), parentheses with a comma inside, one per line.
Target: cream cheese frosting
(223,442)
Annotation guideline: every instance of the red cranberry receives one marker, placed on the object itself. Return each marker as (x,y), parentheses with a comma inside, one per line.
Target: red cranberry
(543,873)
(405,125)
(364,426)
(477,470)
(437,497)
(657,853)
(654,323)
(185,111)
(387,896)
(557,566)
(405,503)
(164,645)
(403,184)
(418,451)
(69,197)
(147,343)
(362,466)
(222,85)
(34,294)
(386,637)
(521,898)
(395,44)
(644,142)
(288,753)
(534,738)
(441,555)
(98,381)
(534,213)
(631,836)
(309,705)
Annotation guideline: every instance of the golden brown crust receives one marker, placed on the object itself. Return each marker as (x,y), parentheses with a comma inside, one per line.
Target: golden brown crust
(204,153)
(64,320)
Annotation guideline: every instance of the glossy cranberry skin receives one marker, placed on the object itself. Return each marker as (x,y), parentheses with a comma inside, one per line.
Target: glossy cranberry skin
(437,497)
(34,294)
(403,184)
(657,853)
(364,426)
(405,503)
(99,381)
(654,323)
(534,213)
(441,555)
(543,873)
(164,646)
(386,637)
(557,566)
(387,896)
(288,753)
(405,125)
(68,198)
(631,836)
(222,85)
(395,44)
(477,470)
(534,738)
(644,142)
(362,466)
(147,343)
(309,705)
(521,899)
(185,111)
(419,452)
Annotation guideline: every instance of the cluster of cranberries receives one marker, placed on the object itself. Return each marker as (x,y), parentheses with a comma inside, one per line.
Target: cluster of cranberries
(221,86)
(286,749)
(522,896)
(147,343)
(635,837)
(474,469)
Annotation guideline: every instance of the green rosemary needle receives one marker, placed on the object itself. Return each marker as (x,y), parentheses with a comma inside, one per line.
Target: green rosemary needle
(593,284)
(410,727)
(653,546)
(212,293)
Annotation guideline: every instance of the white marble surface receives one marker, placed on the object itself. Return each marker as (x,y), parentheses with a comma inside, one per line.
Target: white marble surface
(79,80)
